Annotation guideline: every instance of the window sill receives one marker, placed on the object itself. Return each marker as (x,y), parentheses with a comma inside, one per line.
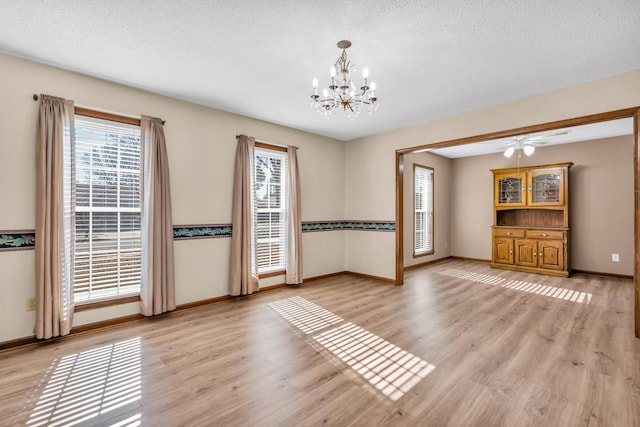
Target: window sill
(421,254)
(92,305)
(271,274)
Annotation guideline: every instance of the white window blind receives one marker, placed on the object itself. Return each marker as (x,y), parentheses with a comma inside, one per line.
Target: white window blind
(270,210)
(423,208)
(107,209)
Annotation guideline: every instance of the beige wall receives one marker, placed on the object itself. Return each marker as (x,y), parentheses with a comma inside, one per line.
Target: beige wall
(369,180)
(201,147)
(441,195)
(601,202)
(471,208)
(370,183)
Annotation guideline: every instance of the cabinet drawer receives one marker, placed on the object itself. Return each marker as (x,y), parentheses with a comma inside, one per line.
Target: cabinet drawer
(508,232)
(545,234)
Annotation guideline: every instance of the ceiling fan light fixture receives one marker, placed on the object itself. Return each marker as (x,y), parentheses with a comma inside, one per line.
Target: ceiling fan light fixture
(529,149)
(509,152)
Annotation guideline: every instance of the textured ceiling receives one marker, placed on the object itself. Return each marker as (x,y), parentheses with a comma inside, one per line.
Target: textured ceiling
(257,58)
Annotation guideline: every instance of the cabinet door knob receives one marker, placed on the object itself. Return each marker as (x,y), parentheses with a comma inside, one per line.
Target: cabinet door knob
(508,233)
(534,254)
(510,251)
(544,234)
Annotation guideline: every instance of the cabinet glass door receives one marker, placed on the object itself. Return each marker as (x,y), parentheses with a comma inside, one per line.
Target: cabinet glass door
(545,187)
(509,190)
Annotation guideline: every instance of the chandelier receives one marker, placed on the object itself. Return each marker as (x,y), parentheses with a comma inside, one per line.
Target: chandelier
(342,91)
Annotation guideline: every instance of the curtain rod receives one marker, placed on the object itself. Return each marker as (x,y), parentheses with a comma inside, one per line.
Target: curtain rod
(265,142)
(36,97)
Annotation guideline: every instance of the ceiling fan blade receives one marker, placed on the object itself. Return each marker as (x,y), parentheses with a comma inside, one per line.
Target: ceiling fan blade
(536,143)
(522,138)
(547,135)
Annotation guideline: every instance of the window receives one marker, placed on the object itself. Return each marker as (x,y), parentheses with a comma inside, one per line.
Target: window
(107,198)
(423,210)
(270,209)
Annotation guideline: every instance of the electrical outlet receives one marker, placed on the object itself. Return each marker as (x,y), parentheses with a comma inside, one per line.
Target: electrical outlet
(615,257)
(31,304)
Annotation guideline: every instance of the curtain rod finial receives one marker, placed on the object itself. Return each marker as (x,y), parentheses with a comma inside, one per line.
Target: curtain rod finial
(35,96)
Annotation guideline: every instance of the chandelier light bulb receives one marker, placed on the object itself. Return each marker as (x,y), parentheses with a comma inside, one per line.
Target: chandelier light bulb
(325,93)
(315,83)
(365,72)
(332,71)
(372,86)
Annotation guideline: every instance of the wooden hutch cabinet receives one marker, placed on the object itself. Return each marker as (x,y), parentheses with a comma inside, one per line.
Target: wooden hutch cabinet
(530,229)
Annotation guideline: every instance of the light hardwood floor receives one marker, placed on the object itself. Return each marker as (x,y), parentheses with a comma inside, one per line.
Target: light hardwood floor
(460,344)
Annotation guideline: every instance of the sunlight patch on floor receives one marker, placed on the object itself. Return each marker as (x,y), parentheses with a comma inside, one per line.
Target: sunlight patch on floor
(390,369)
(520,285)
(83,386)
(305,315)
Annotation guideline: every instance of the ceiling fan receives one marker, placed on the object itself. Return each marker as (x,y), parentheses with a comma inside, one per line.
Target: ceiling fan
(526,143)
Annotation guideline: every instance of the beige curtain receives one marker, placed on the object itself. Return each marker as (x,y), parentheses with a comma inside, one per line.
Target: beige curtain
(294,221)
(54,218)
(157,293)
(244,276)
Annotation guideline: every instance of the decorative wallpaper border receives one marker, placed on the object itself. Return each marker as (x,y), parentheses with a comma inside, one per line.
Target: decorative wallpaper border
(16,240)
(348,225)
(186,232)
(209,231)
